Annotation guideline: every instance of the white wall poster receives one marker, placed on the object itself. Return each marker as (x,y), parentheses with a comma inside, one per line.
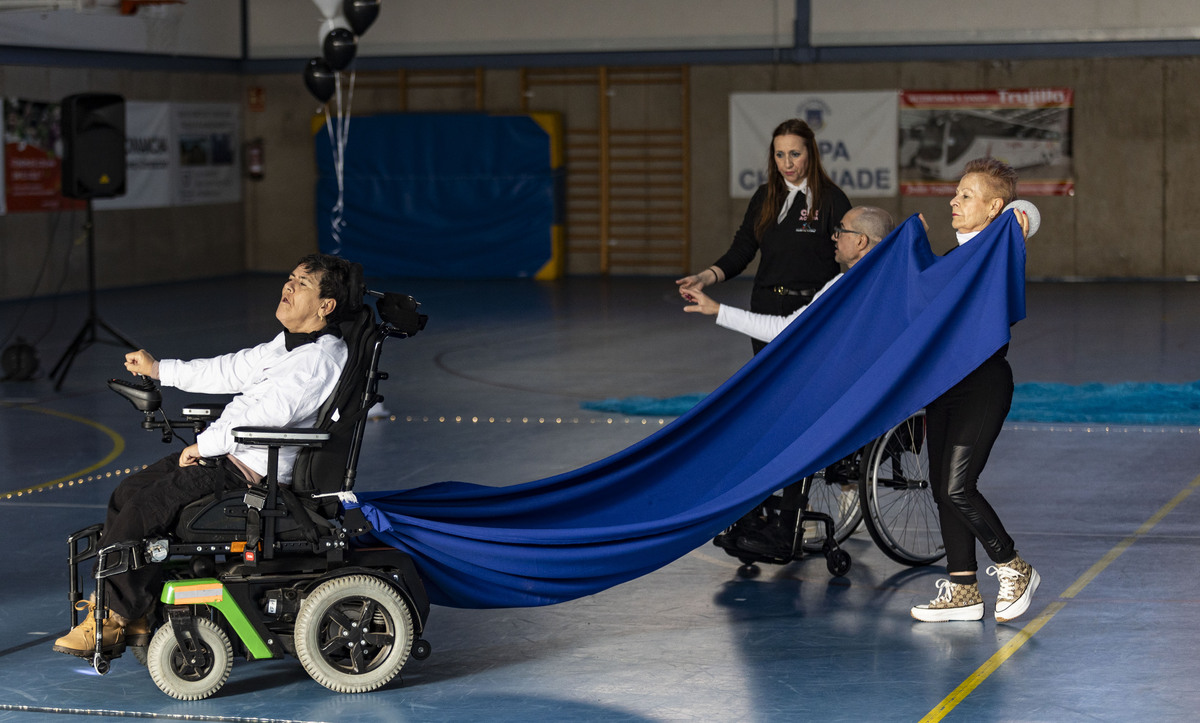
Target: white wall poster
(855,131)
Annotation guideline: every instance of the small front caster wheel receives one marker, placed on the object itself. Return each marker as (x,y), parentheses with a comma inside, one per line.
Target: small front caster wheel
(421,649)
(838,562)
(195,670)
(748,570)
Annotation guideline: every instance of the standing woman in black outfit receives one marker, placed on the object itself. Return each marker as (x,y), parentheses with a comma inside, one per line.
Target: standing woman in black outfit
(790,221)
(963,425)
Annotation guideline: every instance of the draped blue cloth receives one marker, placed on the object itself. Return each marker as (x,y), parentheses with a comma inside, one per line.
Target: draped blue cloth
(900,328)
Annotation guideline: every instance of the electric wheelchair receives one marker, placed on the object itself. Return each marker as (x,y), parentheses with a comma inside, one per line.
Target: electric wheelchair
(884,484)
(273,570)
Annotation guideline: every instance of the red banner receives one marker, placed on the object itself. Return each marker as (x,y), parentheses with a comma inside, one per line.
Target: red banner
(33,158)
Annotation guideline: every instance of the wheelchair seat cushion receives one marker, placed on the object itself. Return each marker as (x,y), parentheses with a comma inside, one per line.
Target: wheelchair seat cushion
(222,518)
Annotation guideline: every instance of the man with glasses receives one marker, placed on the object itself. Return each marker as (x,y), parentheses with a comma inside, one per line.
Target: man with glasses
(862,227)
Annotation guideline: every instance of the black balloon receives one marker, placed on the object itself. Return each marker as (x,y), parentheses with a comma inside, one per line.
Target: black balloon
(320,79)
(340,47)
(360,14)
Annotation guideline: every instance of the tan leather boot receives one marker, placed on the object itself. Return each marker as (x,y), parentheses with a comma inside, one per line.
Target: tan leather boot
(137,632)
(81,641)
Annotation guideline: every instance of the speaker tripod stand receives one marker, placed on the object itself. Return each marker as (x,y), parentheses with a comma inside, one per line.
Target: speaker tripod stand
(88,333)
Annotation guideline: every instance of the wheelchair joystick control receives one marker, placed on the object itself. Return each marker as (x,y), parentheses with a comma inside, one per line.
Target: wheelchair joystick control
(143,394)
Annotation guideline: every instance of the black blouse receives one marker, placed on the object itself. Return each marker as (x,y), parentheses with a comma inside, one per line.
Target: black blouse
(797,253)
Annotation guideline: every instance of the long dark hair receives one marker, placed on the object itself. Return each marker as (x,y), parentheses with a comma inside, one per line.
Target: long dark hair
(818,179)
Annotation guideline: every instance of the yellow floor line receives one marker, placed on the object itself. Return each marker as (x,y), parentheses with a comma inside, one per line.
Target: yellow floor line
(118,447)
(993,663)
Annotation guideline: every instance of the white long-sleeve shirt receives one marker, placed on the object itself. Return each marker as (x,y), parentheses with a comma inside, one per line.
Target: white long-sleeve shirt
(763,327)
(274,388)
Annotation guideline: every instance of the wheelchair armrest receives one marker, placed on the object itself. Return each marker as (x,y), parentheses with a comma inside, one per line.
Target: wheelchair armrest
(202,411)
(280,436)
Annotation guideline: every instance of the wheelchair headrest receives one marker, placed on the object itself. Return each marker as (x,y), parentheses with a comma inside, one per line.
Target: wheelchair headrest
(400,310)
(356,289)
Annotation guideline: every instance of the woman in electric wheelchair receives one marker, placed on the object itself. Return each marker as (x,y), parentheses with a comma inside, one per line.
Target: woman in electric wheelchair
(281,383)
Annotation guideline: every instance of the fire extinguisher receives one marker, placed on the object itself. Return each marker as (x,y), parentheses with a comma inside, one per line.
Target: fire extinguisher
(254,159)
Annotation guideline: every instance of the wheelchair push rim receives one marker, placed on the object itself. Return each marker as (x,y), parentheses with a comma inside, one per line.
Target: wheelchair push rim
(899,509)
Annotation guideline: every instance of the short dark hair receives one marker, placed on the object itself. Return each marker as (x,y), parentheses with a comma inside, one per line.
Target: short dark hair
(1001,177)
(335,280)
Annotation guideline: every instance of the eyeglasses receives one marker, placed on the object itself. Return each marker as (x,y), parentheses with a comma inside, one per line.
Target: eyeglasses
(839,230)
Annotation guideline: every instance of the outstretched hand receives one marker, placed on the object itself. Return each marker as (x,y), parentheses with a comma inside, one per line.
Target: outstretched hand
(699,301)
(695,281)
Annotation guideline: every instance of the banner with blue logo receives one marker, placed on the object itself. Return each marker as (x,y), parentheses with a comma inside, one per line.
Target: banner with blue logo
(856,136)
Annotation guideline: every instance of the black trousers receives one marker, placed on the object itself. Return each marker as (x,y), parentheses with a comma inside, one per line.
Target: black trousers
(148,503)
(963,424)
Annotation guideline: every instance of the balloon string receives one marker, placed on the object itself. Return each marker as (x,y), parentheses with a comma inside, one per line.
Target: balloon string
(336,211)
(337,142)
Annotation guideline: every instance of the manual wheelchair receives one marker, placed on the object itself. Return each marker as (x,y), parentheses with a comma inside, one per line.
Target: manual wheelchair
(884,484)
(273,569)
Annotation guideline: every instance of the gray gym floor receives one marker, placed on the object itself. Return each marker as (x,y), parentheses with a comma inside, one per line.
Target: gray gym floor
(491,393)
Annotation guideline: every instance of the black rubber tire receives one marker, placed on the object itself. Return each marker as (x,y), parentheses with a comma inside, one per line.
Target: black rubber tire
(838,561)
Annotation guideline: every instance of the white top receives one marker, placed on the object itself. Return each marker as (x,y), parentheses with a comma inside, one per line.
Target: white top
(274,388)
(965,237)
(763,327)
(792,191)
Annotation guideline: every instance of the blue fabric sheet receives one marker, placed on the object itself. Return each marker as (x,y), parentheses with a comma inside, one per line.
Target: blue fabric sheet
(901,327)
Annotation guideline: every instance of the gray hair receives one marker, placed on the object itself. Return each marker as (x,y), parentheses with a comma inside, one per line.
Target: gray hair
(874,222)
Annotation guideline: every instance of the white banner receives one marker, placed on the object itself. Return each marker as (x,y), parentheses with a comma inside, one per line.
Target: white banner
(179,154)
(856,135)
(148,158)
(206,136)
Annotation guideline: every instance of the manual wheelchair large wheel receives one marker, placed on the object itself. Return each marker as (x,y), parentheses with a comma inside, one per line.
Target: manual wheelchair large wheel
(353,633)
(900,512)
(177,673)
(834,491)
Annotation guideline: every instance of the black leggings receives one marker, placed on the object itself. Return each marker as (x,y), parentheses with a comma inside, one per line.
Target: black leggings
(963,425)
(148,503)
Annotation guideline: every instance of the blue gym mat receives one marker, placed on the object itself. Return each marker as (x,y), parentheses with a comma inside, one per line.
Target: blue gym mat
(1126,403)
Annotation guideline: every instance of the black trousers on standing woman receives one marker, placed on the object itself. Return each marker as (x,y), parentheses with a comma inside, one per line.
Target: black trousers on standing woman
(962,426)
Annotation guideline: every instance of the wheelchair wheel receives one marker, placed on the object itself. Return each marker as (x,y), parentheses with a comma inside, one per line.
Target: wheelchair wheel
(353,633)
(834,491)
(900,512)
(838,561)
(176,673)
